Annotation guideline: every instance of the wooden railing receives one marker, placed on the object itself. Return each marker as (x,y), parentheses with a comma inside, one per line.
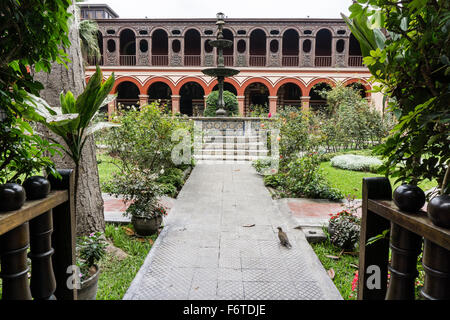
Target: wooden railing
(94,60)
(47,228)
(322,61)
(355,61)
(257,60)
(407,230)
(228,60)
(192,60)
(289,61)
(127,60)
(160,60)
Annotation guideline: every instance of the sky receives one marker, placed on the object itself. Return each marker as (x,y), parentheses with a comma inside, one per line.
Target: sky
(231,8)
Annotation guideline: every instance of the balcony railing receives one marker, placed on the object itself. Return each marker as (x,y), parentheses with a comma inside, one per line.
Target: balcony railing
(257,60)
(228,60)
(160,60)
(355,61)
(289,61)
(94,60)
(127,60)
(192,60)
(322,61)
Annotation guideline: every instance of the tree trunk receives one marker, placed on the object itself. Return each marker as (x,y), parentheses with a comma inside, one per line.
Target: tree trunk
(89,203)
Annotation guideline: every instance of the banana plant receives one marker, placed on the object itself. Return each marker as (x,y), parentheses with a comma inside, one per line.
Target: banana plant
(72,120)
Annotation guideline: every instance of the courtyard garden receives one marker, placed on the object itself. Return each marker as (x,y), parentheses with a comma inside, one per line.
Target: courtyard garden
(140,154)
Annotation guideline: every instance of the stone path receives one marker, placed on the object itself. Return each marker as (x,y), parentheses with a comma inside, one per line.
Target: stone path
(220,242)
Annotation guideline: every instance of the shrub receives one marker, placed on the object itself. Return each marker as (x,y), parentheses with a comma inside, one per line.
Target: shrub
(344,229)
(90,250)
(304,178)
(261,164)
(257,110)
(356,162)
(231,103)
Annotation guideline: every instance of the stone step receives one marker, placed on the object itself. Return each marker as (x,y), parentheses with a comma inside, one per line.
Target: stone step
(233,152)
(228,157)
(232,146)
(237,139)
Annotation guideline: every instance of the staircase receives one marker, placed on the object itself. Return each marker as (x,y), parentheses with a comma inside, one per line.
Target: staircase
(229,140)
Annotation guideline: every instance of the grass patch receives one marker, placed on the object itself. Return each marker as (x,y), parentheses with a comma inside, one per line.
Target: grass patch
(344,271)
(106,167)
(350,182)
(116,276)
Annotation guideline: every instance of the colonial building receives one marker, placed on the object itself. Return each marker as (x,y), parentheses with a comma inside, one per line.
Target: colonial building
(281,61)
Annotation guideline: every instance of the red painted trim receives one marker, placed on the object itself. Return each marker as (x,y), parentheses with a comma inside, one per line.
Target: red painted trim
(366,85)
(190,79)
(254,80)
(153,80)
(319,80)
(125,79)
(227,80)
(295,81)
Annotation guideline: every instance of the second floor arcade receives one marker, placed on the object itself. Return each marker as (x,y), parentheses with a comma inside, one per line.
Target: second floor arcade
(257,43)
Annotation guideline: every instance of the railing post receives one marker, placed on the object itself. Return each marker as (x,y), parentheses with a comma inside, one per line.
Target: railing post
(43,283)
(63,237)
(373,258)
(405,248)
(13,252)
(436,262)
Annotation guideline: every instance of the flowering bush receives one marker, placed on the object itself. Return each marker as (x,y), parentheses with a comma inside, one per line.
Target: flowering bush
(356,162)
(344,228)
(90,250)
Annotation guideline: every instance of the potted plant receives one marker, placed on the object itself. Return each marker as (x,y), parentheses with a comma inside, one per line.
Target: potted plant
(140,188)
(90,250)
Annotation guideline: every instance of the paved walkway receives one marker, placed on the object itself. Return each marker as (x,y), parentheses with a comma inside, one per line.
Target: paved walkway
(220,242)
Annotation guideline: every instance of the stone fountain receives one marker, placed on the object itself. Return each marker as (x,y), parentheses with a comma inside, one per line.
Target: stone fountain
(221,72)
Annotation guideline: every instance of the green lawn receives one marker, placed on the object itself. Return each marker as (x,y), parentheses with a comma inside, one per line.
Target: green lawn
(106,167)
(350,182)
(116,276)
(344,267)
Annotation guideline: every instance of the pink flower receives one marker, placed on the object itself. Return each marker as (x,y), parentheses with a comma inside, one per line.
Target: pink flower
(355,281)
(269,115)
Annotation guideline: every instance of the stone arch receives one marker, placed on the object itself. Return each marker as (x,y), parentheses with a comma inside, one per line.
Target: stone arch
(129,79)
(151,81)
(227,80)
(296,81)
(253,80)
(363,82)
(312,83)
(189,79)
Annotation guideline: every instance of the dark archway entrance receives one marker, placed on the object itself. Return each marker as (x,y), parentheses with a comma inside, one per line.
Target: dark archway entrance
(289,94)
(160,91)
(127,94)
(192,97)
(317,102)
(228,87)
(256,94)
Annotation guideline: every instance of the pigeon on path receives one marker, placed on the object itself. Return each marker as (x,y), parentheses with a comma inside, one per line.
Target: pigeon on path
(283,238)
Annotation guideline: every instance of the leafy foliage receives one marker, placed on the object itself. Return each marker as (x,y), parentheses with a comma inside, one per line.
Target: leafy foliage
(32,33)
(231,103)
(90,250)
(411,61)
(143,143)
(356,162)
(344,228)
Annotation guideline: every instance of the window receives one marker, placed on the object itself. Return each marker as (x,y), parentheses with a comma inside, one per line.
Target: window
(143,45)
(340,46)
(307,32)
(176,46)
(111,45)
(209,32)
(307,46)
(241,32)
(241,46)
(274,46)
(274,32)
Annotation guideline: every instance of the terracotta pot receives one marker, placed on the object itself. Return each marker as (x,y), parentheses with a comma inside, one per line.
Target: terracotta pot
(146,226)
(409,198)
(88,290)
(438,210)
(36,187)
(12,196)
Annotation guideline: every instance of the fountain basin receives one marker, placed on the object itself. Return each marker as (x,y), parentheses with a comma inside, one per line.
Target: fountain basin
(220,72)
(220,43)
